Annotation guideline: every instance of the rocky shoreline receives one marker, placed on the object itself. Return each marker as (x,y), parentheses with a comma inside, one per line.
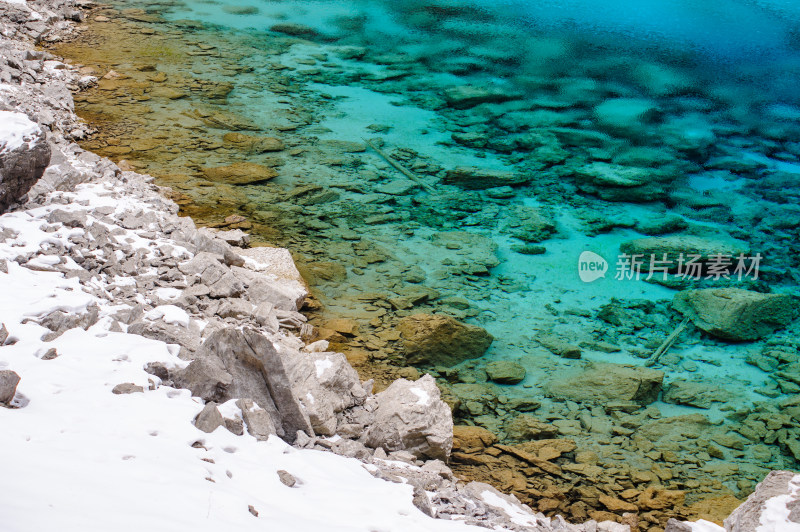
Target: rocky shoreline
(150,273)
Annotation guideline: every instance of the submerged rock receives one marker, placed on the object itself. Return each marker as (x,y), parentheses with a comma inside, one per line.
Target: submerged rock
(627,116)
(683,245)
(698,394)
(474,178)
(601,383)
(466,96)
(240,173)
(735,314)
(615,182)
(436,339)
(505,372)
(526,427)
(252,144)
(472,439)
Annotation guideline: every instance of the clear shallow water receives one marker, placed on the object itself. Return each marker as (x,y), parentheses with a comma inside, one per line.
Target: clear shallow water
(715,121)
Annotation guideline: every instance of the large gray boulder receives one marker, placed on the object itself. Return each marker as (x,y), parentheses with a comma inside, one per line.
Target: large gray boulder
(243,364)
(326,385)
(8,385)
(437,339)
(24,155)
(411,416)
(210,270)
(735,314)
(773,507)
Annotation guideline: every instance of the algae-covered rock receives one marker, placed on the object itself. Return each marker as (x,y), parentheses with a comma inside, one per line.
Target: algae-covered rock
(525,427)
(735,314)
(441,340)
(698,394)
(240,173)
(505,372)
(251,143)
(601,383)
(474,178)
(615,182)
(474,252)
(466,96)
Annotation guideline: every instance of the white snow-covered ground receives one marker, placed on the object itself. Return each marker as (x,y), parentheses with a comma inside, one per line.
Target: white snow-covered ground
(15,129)
(75,457)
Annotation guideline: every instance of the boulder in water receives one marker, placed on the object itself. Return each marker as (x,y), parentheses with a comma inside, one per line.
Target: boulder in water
(676,246)
(601,383)
(627,116)
(436,339)
(505,372)
(474,178)
(466,96)
(735,314)
(239,173)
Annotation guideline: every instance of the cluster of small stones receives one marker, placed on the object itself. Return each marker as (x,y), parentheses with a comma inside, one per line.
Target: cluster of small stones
(582,142)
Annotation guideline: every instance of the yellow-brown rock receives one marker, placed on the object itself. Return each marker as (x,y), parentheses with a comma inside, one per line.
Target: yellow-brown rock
(240,173)
(659,499)
(252,144)
(471,439)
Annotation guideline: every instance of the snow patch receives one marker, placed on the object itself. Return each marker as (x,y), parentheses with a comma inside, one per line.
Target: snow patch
(16,128)
(322,365)
(169,314)
(701,525)
(424,397)
(775,516)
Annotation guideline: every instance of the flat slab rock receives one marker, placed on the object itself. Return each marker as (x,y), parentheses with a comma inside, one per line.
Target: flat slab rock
(601,383)
(735,314)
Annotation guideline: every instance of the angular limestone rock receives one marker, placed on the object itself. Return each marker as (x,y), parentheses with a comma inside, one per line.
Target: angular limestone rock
(243,364)
(8,385)
(775,501)
(259,422)
(209,419)
(24,155)
(325,384)
(441,340)
(735,314)
(411,416)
